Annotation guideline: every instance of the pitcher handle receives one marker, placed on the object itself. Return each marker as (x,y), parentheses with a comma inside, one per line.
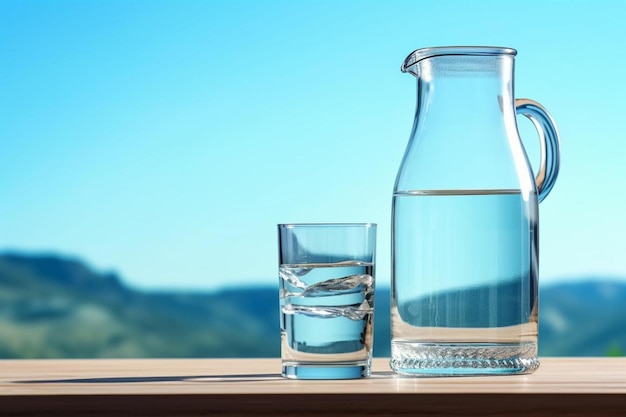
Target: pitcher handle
(549,141)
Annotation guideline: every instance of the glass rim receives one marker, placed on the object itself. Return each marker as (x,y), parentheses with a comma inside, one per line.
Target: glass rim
(298,225)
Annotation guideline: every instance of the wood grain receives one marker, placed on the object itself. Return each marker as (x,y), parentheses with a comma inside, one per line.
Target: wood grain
(226,387)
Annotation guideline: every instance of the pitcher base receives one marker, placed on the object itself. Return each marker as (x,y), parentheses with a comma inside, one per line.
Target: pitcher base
(463,359)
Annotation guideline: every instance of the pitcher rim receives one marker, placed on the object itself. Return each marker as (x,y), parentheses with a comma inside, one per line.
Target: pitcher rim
(425,53)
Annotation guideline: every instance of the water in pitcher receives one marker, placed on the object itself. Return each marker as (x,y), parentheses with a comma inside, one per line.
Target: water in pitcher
(464,297)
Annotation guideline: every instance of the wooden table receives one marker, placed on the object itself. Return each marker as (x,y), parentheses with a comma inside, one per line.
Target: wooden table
(231,387)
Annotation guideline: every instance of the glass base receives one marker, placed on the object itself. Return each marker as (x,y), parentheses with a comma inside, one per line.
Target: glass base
(342,370)
(459,359)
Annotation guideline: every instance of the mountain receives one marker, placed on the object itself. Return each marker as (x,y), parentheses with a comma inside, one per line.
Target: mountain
(577,318)
(56,307)
(583,318)
(53,307)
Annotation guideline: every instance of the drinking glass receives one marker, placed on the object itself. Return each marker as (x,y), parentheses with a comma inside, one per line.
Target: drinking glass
(326,274)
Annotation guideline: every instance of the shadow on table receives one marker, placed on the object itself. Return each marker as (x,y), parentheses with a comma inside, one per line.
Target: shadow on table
(144,379)
(177,378)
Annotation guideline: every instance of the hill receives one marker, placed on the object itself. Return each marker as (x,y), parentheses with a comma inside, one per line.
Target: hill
(52,307)
(583,318)
(55,307)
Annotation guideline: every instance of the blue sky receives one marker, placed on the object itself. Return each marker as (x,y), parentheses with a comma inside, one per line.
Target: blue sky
(166,139)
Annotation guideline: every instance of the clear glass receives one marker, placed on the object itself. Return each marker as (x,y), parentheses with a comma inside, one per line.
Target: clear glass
(465,220)
(326,275)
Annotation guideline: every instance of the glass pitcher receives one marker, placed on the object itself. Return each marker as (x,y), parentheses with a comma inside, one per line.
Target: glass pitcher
(465,219)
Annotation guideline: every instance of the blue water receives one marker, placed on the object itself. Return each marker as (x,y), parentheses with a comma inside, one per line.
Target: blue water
(326,319)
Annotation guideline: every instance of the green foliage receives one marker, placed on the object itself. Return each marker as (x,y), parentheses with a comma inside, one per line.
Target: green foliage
(614,350)
(53,307)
